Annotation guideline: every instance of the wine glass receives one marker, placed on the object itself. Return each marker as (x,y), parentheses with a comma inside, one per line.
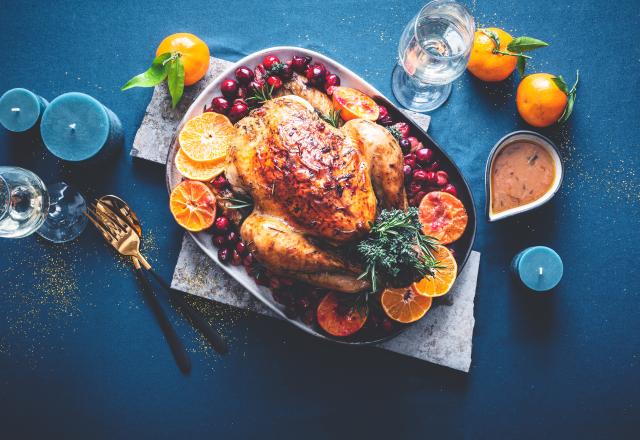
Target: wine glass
(434,50)
(27,206)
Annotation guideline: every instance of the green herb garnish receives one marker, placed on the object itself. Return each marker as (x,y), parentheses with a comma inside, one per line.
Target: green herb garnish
(333,118)
(395,132)
(238,202)
(397,246)
(260,96)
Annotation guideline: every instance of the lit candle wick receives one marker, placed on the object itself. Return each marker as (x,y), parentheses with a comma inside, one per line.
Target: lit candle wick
(72,126)
(15,109)
(540,271)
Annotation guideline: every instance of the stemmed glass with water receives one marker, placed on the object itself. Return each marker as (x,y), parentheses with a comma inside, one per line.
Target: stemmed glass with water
(434,50)
(28,206)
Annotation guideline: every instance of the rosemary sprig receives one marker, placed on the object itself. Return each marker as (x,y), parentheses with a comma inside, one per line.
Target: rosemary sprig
(395,132)
(396,245)
(276,70)
(238,203)
(333,118)
(260,96)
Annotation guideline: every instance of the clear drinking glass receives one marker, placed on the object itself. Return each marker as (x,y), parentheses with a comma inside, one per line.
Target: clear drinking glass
(433,51)
(27,206)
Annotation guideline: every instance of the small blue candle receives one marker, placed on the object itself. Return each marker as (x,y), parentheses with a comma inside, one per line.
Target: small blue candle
(539,268)
(76,127)
(20,109)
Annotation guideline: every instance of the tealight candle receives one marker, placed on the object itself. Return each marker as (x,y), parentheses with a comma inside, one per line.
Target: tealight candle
(20,109)
(539,268)
(76,127)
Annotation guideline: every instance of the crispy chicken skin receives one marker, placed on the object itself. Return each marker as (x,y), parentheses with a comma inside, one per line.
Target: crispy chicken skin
(312,189)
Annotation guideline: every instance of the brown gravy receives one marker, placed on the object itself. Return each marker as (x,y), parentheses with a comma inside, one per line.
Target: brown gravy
(521,173)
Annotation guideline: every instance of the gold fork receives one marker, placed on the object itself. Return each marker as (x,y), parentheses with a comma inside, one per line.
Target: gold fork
(117,232)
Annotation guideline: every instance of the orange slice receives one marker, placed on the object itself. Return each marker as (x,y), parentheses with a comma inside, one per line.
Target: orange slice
(404,305)
(206,137)
(440,283)
(442,216)
(193,205)
(353,104)
(203,171)
(339,322)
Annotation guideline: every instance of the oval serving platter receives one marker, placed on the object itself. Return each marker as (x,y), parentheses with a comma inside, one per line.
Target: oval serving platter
(349,79)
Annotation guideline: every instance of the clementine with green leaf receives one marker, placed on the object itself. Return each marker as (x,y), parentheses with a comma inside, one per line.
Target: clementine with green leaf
(544,99)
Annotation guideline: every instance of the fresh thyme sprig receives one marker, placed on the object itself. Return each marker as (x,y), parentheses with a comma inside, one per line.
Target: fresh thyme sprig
(395,132)
(333,118)
(396,245)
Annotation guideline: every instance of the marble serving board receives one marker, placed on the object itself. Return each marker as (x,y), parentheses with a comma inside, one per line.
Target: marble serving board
(442,337)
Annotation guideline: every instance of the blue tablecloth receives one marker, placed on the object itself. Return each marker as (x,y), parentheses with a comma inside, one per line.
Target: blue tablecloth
(81,355)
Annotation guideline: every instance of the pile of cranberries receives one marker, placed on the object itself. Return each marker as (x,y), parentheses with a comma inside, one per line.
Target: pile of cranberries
(422,173)
(270,73)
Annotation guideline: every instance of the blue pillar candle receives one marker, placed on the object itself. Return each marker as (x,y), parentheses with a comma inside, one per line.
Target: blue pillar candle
(76,127)
(20,109)
(539,268)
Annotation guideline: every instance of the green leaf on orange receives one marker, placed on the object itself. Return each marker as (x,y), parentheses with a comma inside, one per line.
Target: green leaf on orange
(153,76)
(571,99)
(524,44)
(493,36)
(521,64)
(175,80)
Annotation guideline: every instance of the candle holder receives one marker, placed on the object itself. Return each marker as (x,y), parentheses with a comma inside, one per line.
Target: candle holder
(538,268)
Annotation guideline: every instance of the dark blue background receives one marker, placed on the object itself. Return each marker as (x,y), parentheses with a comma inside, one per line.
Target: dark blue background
(81,355)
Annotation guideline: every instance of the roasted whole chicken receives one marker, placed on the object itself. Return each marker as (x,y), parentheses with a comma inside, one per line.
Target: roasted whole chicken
(316,189)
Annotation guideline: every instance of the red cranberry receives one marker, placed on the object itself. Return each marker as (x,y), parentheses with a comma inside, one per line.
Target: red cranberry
(220,182)
(410,161)
(417,147)
(406,169)
(405,145)
(419,196)
(239,110)
(242,93)
(241,248)
(222,223)
(435,165)
(442,178)
(229,88)
(236,259)
(269,61)
(218,240)
(413,140)
(299,63)
(383,112)
(274,284)
(316,74)
(232,239)
(274,82)
(220,105)
(244,75)
(255,85)
(420,175)
(424,155)
(386,121)
(224,255)
(403,128)
(248,260)
(332,79)
(414,187)
(431,176)
(450,189)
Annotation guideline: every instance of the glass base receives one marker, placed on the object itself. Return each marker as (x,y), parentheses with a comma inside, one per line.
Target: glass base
(66,220)
(416,95)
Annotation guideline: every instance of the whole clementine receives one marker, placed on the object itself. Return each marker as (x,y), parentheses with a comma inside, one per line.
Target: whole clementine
(194,54)
(540,101)
(484,63)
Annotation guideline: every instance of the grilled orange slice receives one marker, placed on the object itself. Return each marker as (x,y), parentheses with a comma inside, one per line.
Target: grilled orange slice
(353,104)
(193,205)
(338,322)
(442,216)
(442,280)
(206,138)
(203,171)
(404,305)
